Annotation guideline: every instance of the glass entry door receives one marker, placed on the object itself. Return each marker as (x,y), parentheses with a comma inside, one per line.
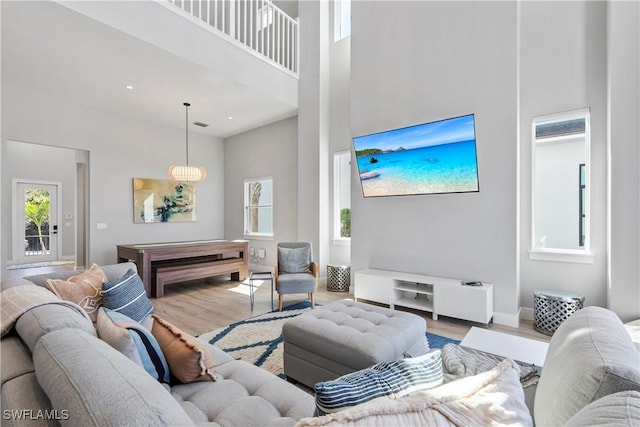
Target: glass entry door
(36,214)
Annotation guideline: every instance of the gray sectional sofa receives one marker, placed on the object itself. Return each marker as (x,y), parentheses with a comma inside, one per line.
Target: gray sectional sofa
(591,377)
(55,370)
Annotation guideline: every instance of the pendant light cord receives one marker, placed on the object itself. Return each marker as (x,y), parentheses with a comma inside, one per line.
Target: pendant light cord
(186,126)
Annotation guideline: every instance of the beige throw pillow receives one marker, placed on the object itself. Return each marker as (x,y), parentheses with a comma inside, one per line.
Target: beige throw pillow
(189,359)
(84,289)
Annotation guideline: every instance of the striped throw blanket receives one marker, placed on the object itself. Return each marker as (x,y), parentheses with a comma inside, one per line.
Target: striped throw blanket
(461,362)
(16,301)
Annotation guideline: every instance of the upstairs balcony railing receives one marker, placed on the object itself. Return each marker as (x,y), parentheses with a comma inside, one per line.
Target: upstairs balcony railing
(257,24)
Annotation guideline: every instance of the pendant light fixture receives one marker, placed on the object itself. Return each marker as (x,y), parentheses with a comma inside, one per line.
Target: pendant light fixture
(187,173)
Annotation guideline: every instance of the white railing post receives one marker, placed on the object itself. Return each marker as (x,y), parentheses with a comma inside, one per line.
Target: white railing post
(232,19)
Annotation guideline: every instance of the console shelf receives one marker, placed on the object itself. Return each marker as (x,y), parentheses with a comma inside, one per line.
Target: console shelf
(438,295)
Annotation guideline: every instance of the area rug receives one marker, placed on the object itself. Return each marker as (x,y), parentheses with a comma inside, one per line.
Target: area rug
(258,340)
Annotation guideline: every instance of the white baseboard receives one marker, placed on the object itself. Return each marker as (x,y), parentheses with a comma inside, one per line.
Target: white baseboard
(526,313)
(512,320)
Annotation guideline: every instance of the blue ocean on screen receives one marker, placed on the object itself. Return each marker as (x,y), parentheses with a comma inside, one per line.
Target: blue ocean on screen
(444,168)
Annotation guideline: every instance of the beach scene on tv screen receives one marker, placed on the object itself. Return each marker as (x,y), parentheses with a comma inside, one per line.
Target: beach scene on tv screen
(436,157)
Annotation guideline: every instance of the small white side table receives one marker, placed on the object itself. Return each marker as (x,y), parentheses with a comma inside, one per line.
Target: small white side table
(260,275)
(517,348)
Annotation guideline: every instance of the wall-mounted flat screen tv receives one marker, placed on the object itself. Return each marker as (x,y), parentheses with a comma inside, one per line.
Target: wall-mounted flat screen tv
(430,158)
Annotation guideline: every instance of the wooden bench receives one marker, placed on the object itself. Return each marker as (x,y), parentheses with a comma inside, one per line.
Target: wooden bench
(176,272)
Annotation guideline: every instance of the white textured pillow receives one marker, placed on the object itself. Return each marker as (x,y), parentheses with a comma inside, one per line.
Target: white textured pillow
(492,397)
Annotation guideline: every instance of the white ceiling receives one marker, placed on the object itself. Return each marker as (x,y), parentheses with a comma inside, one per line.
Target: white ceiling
(49,48)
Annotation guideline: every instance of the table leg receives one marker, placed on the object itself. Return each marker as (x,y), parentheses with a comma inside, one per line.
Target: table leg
(251,293)
(143,261)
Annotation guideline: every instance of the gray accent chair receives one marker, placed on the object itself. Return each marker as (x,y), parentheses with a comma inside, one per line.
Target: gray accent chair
(295,271)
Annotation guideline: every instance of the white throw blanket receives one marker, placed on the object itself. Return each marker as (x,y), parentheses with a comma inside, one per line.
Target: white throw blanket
(16,301)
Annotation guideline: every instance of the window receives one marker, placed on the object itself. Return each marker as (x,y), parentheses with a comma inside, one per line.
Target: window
(560,214)
(342,196)
(342,19)
(258,207)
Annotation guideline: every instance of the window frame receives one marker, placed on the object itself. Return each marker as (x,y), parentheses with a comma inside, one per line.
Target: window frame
(584,254)
(246,206)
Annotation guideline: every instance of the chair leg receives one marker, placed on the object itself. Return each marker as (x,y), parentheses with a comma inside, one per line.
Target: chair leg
(313,304)
(280,302)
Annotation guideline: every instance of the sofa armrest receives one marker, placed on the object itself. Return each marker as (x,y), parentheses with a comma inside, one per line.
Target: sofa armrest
(96,385)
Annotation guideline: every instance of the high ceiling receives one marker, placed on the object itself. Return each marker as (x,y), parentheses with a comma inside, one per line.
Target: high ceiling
(49,48)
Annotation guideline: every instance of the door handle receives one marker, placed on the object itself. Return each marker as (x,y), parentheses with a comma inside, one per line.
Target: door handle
(55,229)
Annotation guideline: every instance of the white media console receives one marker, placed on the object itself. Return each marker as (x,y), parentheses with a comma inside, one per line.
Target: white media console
(438,295)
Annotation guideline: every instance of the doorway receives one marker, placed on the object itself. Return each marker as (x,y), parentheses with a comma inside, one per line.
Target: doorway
(36,214)
(35,164)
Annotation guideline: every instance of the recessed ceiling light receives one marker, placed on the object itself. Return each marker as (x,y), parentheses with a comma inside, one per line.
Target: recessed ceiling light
(230,117)
(129,87)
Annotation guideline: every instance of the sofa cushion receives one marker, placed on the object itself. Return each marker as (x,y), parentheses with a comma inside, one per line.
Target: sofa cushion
(494,397)
(126,295)
(114,271)
(98,386)
(83,289)
(15,359)
(41,279)
(617,409)
(189,358)
(134,341)
(395,379)
(41,320)
(242,385)
(24,396)
(608,363)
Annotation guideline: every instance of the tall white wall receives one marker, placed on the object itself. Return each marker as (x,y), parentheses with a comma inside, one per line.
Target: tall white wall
(269,151)
(414,62)
(313,129)
(623,43)
(563,67)
(119,150)
(339,127)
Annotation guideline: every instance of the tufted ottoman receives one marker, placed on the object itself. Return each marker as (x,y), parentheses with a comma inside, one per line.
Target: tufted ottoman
(346,336)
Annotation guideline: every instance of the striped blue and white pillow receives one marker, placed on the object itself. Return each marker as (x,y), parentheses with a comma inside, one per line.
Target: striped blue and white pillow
(134,341)
(393,379)
(126,295)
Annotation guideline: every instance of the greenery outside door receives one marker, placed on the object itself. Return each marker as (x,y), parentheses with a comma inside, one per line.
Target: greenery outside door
(36,213)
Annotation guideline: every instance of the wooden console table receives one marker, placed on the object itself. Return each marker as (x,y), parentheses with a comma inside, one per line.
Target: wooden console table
(144,255)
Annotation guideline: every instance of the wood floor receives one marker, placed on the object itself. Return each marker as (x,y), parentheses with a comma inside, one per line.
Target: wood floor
(203,305)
